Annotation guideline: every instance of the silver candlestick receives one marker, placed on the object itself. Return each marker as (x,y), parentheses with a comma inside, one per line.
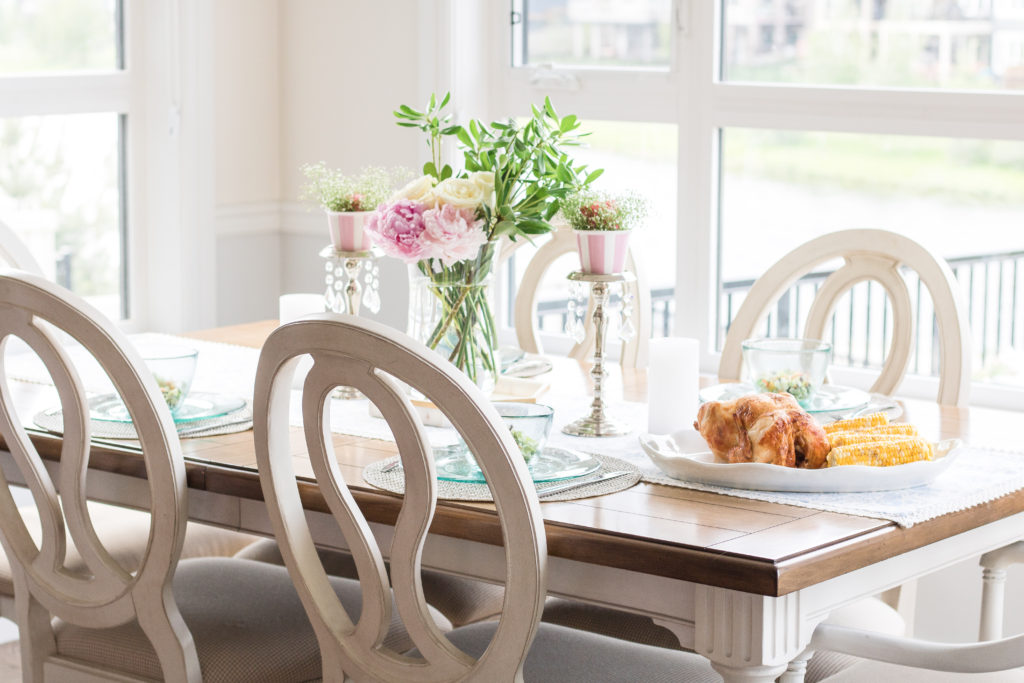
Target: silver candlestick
(345,292)
(597,423)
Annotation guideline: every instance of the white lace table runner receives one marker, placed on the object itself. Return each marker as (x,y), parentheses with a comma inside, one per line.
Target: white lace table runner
(977,476)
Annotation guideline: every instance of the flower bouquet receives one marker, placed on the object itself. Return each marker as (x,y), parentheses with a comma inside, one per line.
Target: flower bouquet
(448,223)
(348,200)
(603,223)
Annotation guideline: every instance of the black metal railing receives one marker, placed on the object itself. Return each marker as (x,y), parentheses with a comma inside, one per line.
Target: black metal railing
(861,325)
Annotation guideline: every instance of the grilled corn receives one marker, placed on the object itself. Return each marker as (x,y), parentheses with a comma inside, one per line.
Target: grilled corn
(862,422)
(882,453)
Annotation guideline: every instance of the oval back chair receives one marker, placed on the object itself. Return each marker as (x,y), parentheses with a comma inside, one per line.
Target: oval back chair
(563,241)
(106,595)
(874,255)
(352,351)
(374,358)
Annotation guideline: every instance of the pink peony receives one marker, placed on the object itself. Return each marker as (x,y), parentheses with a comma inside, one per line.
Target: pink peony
(452,234)
(397,228)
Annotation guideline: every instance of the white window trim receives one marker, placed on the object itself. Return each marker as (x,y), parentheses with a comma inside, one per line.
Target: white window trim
(690,95)
(166,91)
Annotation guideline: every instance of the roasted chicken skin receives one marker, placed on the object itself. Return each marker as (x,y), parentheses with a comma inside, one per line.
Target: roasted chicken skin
(769,428)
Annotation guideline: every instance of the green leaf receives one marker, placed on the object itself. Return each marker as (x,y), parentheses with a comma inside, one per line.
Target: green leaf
(504,228)
(550,108)
(432,105)
(552,209)
(463,136)
(594,176)
(406,124)
(409,110)
(474,128)
(499,125)
(568,123)
(446,172)
(531,226)
(451,130)
(447,96)
(430,169)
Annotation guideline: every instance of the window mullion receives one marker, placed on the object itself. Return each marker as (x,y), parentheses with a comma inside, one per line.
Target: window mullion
(64,94)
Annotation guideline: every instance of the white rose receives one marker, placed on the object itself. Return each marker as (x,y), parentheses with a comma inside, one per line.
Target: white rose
(459,193)
(485,179)
(419,190)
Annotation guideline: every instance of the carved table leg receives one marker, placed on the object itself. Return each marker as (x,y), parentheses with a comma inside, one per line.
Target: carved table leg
(749,637)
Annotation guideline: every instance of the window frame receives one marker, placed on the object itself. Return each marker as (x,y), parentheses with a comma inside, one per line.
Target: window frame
(692,95)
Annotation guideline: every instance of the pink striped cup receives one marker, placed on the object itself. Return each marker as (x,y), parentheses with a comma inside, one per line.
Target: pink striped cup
(346,230)
(602,252)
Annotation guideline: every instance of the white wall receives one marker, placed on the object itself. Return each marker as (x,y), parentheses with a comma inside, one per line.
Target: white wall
(247,148)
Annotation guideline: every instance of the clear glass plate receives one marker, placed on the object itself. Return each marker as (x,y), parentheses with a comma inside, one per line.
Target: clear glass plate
(197,406)
(551,464)
(830,398)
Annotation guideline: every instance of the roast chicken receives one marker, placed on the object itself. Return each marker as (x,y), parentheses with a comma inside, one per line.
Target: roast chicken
(769,428)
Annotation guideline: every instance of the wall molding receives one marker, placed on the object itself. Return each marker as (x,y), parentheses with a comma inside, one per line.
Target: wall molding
(252,218)
(304,219)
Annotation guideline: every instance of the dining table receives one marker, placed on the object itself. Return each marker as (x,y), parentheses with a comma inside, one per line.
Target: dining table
(740,581)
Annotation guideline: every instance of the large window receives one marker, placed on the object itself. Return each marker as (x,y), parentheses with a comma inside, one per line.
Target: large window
(64,107)
(778,120)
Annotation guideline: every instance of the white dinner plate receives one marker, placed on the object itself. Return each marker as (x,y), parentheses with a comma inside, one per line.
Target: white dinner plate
(684,455)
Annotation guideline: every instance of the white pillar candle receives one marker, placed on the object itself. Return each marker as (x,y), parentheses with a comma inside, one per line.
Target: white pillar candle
(673,376)
(293,306)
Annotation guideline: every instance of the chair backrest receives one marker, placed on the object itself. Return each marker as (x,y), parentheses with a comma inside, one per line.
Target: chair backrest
(14,252)
(868,255)
(373,358)
(563,241)
(107,595)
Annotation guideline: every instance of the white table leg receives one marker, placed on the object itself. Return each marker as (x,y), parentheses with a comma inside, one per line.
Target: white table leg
(749,638)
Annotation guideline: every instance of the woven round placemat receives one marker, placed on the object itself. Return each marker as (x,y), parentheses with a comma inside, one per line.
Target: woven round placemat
(237,421)
(394,481)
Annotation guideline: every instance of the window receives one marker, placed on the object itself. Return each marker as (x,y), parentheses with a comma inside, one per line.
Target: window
(789,118)
(63,123)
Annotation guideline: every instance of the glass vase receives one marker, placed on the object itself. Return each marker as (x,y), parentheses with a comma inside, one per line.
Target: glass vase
(450,311)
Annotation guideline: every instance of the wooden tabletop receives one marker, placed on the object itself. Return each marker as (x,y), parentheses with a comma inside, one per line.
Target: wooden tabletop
(747,545)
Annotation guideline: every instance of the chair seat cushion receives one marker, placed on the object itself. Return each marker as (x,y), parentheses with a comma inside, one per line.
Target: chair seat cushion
(870,614)
(608,622)
(125,532)
(461,601)
(245,617)
(567,655)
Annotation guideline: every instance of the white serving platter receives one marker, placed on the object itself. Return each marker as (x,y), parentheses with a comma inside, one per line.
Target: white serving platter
(684,455)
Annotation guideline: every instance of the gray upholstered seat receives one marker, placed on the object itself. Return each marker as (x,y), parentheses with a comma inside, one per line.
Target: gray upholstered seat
(567,655)
(124,533)
(461,601)
(267,638)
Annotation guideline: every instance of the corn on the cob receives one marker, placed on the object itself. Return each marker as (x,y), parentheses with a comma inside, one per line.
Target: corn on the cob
(850,438)
(882,453)
(862,422)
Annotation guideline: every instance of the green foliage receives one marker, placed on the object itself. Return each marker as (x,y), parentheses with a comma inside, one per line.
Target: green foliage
(589,210)
(532,171)
(338,192)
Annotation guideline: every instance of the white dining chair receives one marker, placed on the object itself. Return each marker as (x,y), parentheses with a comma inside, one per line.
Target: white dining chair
(867,255)
(373,358)
(876,255)
(86,616)
(563,241)
(122,531)
(879,256)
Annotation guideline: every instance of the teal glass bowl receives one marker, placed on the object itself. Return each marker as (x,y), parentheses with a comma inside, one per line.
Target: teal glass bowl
(794,366)
(530,424)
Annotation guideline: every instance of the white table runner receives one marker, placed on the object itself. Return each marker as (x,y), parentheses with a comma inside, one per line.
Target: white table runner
(976,477)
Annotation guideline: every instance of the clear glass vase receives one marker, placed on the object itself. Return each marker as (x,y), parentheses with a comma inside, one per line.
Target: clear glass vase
(450,311)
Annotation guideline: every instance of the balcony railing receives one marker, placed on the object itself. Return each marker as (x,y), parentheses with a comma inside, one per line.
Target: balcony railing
(992,286)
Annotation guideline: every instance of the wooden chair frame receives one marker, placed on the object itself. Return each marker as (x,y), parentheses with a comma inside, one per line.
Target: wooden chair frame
(868,255)
(373,358)
(31,308)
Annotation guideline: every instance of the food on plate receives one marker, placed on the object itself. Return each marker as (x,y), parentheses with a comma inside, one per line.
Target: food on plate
(883,453)
(882,433)
(854,423)
(792,382)
(768,428)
